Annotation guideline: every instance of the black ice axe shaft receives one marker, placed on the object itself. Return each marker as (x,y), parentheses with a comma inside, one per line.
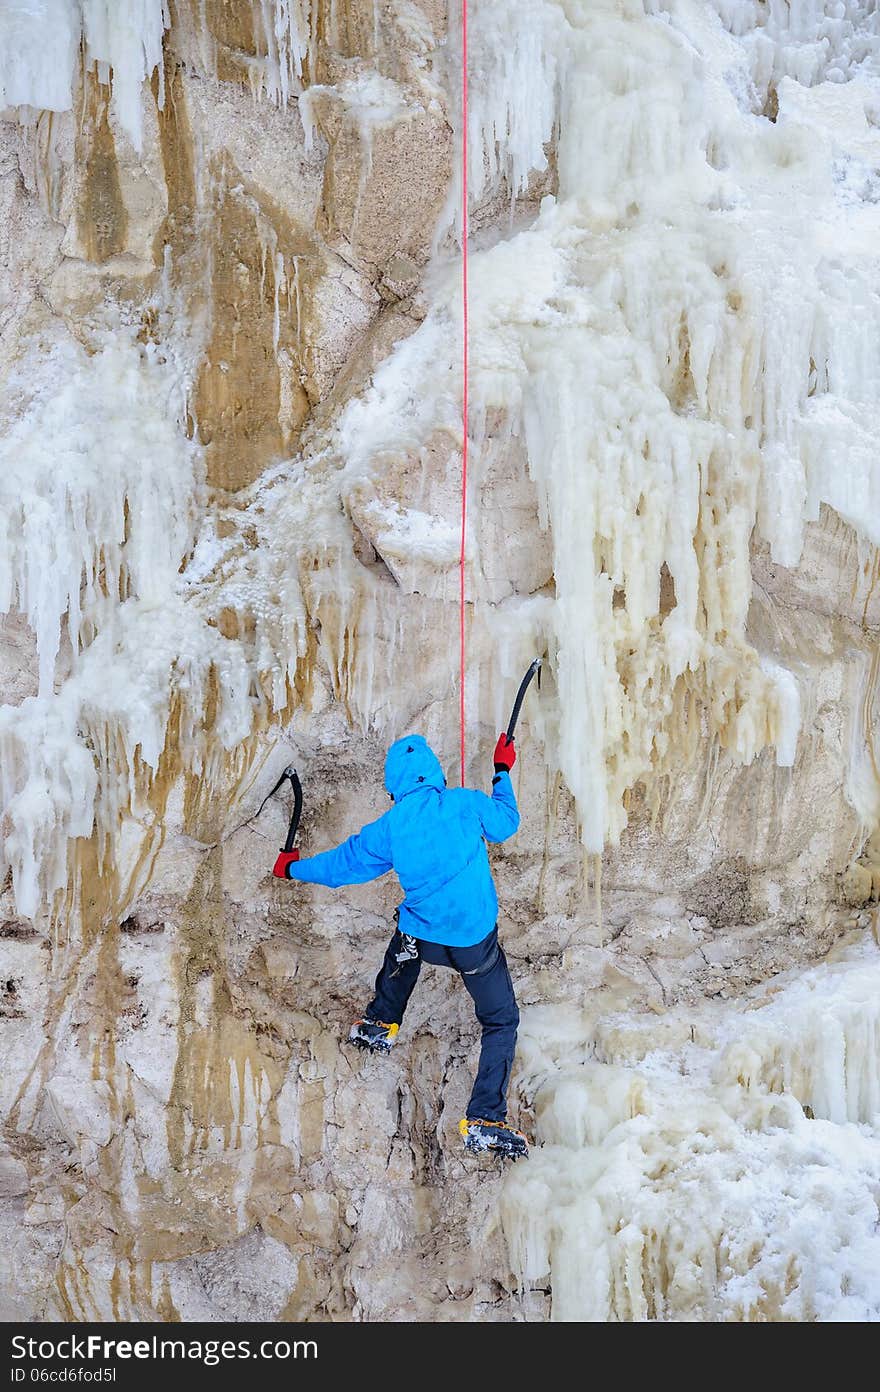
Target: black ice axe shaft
(534,670)
(297,810)
(289,773)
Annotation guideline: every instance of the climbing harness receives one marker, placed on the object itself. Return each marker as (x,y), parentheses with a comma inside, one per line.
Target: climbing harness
(409,949)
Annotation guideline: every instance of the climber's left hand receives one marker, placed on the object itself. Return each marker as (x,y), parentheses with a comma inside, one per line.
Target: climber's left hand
(285,858)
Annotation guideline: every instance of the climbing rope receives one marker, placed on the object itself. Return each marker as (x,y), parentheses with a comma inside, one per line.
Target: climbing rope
(464,306)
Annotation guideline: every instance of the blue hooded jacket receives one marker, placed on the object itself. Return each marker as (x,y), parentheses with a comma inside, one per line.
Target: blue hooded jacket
(434,837)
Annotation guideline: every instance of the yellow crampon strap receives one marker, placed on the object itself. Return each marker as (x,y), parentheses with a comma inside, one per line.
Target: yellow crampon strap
(478,1121)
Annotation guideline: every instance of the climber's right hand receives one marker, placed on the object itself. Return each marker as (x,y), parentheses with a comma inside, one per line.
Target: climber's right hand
(505,754)
(285,858)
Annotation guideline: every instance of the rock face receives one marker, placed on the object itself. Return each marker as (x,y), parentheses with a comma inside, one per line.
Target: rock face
(230,467)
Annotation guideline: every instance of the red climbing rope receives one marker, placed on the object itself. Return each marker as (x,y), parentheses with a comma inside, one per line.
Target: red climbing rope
(464,306)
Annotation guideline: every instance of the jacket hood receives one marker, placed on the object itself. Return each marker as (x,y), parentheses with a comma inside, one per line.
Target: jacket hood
(410,764)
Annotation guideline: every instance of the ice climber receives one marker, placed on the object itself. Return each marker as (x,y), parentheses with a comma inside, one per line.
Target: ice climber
(434,838)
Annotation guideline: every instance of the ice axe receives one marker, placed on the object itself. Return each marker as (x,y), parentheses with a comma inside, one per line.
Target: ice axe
(534,670)
(289,773)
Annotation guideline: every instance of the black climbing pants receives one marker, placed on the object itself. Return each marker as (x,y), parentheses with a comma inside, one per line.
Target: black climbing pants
(483,969)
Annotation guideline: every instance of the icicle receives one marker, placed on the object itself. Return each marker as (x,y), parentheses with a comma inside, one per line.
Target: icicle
(39,52)
(126,38)
(280,282)
(289,30)
(516,56)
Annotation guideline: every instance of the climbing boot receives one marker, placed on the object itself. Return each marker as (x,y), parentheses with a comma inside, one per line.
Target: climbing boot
(479,1135)
(373,1035)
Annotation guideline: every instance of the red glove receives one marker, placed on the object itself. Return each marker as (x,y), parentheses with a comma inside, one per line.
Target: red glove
(285,858)
(505,754)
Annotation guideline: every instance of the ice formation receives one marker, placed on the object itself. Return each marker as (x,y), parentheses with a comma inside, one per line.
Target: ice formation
(371,102)
(675,347)
(289,33)
(691,1182)
(40,42)
(817,1039)
(99,498)
(40,48)
(515,60)
(97,489)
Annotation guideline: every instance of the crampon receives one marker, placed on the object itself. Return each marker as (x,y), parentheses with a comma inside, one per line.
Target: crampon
(479,1135)
(373,1035)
